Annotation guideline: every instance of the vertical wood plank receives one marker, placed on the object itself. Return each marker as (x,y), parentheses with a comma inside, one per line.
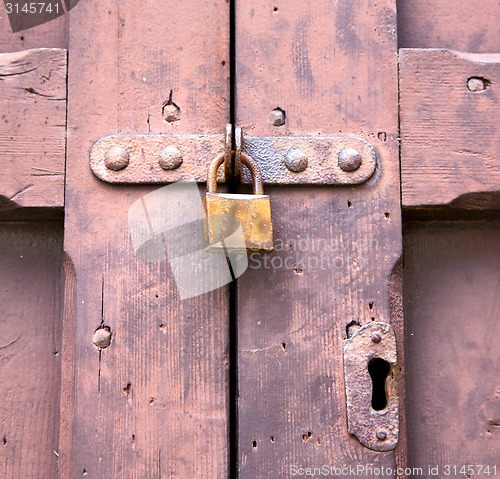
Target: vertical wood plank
(331,66)
(451,284)
(30,348)
(152,404)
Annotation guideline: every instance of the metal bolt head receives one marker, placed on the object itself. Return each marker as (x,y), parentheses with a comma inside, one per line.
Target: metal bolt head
(171,112)
(476,84)
(381,435)
(296,161)
(102,337)
(170,158)
(349,159)
(376,338)
(116,158)
(277,117)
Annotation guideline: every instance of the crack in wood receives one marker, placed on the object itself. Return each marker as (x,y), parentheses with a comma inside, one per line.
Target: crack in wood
(22,190)
(35,92)
(17,73)
(100,350)
(11,343)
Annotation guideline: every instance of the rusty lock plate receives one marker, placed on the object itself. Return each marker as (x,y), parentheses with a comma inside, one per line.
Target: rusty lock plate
(310,160)
(157,159)
(375,429)
(161,159)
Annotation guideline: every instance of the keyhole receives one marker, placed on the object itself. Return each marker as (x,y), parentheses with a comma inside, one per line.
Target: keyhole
(379,370)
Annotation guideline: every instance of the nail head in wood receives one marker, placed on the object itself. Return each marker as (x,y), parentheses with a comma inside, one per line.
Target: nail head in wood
(476,84)
(277,117)
(171,112)
(102,337)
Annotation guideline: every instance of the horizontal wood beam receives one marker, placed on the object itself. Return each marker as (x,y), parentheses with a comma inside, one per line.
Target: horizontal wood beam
(32,128)
(449,150)
(433,24)
(450,117)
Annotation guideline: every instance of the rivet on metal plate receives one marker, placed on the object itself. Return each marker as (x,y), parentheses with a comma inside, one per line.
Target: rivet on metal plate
(370,360)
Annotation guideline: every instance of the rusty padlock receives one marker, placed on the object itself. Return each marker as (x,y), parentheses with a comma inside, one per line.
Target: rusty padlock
(227,211)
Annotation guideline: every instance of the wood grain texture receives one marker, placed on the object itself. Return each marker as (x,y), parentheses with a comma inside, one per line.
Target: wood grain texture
(331,66)
(451,284)
(154,403)
(32,128)
(53,34)
(30,348)
(454,24)
(450,146)
(67,403)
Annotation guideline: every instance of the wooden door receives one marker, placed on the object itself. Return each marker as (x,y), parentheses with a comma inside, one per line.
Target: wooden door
(109,373)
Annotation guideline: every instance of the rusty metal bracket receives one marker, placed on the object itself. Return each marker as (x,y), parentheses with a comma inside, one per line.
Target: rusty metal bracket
(375,429)
(157,159)
(311,160)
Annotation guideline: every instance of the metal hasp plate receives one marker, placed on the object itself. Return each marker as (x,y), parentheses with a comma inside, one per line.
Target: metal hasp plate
(161,159)
(375,429)
(311,160)
(156,159)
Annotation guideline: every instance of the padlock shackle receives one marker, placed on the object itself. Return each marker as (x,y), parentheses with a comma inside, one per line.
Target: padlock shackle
(250,163)
(212,173)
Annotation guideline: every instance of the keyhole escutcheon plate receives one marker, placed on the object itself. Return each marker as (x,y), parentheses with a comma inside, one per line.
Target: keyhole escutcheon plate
(370,361)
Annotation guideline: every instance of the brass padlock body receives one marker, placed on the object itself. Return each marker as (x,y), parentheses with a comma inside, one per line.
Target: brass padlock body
(252,212)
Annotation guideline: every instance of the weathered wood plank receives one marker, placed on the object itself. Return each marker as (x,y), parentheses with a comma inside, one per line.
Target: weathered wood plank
(67,404)
(331,66)
(451,285)
(32,128)
(450,146)
(153,403)
(30,348)
(53,34)
(453,24)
